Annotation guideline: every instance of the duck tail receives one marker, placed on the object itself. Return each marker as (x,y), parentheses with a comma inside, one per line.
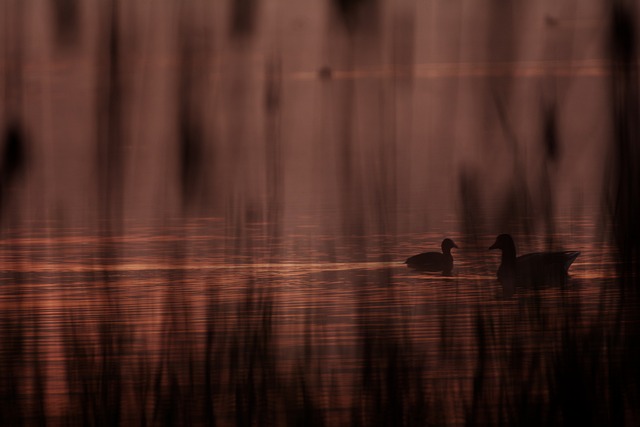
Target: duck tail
(569,258)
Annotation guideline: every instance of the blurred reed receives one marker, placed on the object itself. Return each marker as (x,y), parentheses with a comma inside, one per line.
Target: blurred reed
(215,360)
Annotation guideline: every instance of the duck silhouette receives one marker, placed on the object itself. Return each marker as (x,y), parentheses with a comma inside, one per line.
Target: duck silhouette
(531,269)
(434,261)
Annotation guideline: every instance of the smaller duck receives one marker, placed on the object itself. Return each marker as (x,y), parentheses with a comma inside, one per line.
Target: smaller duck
(531,269)
(434,261)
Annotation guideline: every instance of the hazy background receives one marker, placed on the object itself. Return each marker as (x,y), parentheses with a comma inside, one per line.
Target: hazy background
(311,108)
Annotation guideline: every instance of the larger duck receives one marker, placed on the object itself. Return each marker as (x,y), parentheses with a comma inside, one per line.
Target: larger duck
(531,269)
(434,261)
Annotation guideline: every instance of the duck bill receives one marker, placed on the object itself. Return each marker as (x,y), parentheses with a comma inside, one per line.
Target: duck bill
(494,246)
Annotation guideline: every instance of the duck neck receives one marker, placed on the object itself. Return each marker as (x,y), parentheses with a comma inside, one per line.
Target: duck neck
(448,261)
(509,256)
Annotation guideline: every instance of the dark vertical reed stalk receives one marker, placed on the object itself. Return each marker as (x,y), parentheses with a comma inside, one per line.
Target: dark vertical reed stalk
(13,319)
(624,206)
(66,14)
(107,396)
(274,151)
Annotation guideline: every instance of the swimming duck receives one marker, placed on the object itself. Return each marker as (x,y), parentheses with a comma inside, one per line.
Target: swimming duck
(434,261)
(531,269)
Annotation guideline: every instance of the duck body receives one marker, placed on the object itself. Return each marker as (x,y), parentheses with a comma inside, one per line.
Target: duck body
(434,261)
(532,269)
(431,261)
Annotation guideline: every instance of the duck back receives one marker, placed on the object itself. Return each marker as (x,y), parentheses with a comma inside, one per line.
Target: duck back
(431,261)
(540,268)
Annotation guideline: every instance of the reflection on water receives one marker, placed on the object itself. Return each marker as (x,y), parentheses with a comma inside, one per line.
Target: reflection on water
(198,337)
(324,138)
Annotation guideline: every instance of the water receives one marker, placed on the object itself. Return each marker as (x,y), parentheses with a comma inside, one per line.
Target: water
(183,321)
(205,206)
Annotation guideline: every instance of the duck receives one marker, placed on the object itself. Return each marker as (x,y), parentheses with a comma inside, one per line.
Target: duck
(434,261)
(531,269)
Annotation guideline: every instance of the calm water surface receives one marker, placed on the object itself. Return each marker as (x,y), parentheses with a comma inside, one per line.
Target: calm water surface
(282,318)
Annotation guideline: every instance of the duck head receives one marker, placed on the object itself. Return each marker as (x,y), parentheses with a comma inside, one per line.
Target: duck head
(504,242)
(447,245)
